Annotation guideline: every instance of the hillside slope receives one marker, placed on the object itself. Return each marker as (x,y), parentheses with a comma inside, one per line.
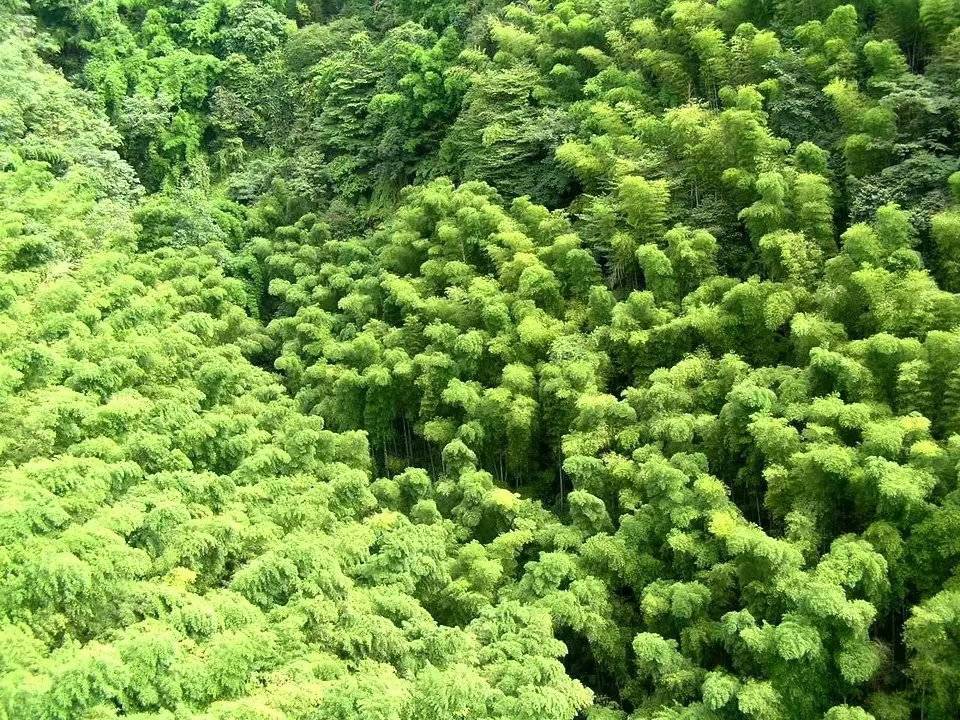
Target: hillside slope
(420,360)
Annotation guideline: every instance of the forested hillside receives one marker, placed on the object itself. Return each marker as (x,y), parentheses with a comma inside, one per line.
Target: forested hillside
(449,360)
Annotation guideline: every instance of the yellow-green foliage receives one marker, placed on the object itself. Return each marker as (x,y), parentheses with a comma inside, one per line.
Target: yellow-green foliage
(418,360)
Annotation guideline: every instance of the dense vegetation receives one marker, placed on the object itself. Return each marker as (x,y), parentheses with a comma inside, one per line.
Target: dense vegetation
(432,360)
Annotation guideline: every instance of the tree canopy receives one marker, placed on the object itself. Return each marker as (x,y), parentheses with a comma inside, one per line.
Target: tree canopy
(431,360)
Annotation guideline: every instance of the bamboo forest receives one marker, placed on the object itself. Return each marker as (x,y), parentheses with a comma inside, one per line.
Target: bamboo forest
(480,359)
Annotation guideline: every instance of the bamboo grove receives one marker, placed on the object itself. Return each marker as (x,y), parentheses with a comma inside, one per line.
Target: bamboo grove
(439,360)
